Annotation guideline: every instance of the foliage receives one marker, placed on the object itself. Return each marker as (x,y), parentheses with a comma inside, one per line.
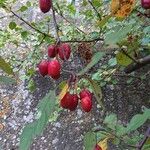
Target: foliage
(82,22)
(45,108)
(119,134)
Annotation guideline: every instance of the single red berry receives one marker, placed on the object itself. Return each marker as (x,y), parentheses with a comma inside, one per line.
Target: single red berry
(56,77)
(43,67)
(97,147)
(64,102)
(45,5)
(86,104)
(145,4)
(85,93)
(54,68)
(52,51)
(64,51)
(73,103)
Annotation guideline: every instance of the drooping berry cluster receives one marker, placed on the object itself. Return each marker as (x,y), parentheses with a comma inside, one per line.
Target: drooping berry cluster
(53,67)
(70,101)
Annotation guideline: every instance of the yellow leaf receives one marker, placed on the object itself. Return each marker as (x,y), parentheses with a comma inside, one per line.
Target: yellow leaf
(122,59)
(103,144)
(62,84)
(115,4)
(122,8)
(63,92)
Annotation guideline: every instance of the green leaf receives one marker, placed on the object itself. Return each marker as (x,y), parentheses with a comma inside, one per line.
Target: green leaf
(2,3)
(71,9)
(7,80)
(31,85)
(23,8)
(138,120)
(45,108)
(89,140)
(95,59)
(117,35)
(27,136)
(111,121)
(112,62)
(84,3)
(12,25)
(102,22)
(28,4)
(120,130)
(122,59)
(5,66)
(24,34)
(97,3)
(147,145)
(96,90)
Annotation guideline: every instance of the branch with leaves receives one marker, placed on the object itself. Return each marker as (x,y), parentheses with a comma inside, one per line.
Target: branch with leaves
(62,15)
(97,13)
(140,63)
(48,35)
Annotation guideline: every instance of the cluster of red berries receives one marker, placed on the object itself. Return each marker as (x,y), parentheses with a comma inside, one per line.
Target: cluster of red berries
(53,67)
(70,101)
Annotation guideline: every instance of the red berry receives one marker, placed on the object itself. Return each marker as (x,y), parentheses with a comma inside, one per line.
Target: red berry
(86,104)
(56,77)
(52,51)
(97,147)
(69,101)
(73,103)
(45,5)
(43,67)
(64,51)
(85,93)
(54,69)
(64,103)
(145,4)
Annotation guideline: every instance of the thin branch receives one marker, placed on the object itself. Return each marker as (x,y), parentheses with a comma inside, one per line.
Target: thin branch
(27,23)
(142,14)
(61,14)
(141,144)
(45,34)
(55,24)
(80,41)
(134,60)
(97,13)
(135,66)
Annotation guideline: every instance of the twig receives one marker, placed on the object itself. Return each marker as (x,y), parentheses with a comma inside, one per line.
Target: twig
(97,13)
(61,14)
(55,25)
(80,41)
(134,60)
(141,144)
(143,14)
(45,34)
(135,66)
(26,22)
